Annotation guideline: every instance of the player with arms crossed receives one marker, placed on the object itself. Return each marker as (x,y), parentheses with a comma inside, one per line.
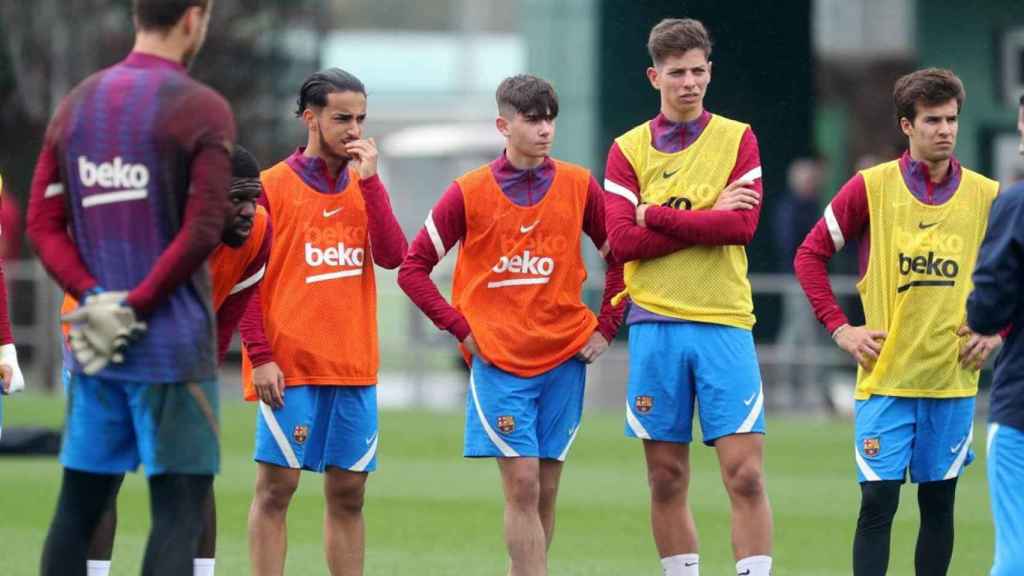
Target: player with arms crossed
(11,379)
(683,193)
(237,266)
(918,221)
(996,302)
(128,201)
(332,222)
(517,308)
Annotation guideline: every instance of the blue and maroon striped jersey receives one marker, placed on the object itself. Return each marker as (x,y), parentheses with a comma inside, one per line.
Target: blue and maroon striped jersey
(136,168)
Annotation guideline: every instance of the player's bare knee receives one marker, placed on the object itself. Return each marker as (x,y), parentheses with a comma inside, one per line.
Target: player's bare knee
(274,494)
(345,492)
(668,481)
(523,491)
(745,481)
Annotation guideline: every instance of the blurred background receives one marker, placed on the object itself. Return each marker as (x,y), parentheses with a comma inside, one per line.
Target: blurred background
(813,77)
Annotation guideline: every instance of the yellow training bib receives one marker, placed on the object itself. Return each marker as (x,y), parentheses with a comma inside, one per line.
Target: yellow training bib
(917,281)
(702,283)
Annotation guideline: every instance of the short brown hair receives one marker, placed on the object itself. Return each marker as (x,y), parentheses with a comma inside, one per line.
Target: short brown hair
(931,87)
(673,36)
(163,14)
(527,95)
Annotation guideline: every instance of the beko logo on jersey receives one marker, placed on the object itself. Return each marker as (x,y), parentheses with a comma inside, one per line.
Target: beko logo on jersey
(931,265)
(535,269)
(124,180)
(338,256)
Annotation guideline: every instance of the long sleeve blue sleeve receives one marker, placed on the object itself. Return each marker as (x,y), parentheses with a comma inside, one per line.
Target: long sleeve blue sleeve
(998,275)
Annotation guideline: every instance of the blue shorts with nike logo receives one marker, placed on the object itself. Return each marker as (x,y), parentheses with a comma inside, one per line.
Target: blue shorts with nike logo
(320,426)
(930,436)
(511,416)
(672,364)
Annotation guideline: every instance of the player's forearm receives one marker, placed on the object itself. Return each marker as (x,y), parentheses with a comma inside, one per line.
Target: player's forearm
(414,279)
(48,228)
(703,227)
(6,335)
(250,328)
(386,237)
(627,240)
(199,234)
(811,268)
(610,317)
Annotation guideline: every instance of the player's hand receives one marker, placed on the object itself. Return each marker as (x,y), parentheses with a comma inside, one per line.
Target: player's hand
(6,376)
(12,379)
(471,346)
(738,196)
(594,347)
(101,328)
(978,347)
(269,383)
(365,154)
(641,213)
(863,344)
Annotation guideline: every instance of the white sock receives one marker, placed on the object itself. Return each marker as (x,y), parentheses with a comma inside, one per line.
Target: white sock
(681,565)
(202,566)
(754,566)
(97,567)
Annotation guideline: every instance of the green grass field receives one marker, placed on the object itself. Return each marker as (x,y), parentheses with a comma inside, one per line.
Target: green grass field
(430,512)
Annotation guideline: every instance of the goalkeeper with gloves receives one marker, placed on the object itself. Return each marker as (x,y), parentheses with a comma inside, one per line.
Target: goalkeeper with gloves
(128,200)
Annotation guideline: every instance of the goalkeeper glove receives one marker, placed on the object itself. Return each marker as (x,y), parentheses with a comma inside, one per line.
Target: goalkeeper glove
(101,328)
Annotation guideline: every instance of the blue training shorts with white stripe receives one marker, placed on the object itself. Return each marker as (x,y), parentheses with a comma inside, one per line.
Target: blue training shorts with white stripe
(671,364)
(320,426)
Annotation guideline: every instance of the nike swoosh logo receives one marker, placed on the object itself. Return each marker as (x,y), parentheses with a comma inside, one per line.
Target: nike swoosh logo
(526,229)
(956,447)
(924,226)
(329,213)
(370,439)
(688,564)
(670,174)
(749,400)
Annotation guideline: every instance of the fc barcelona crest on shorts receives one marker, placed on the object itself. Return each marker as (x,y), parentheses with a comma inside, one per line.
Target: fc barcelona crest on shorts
(301,433)
(871,447)
(507,424)
(644,404)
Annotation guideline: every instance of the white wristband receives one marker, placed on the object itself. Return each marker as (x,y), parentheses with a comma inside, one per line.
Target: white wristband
(9,356)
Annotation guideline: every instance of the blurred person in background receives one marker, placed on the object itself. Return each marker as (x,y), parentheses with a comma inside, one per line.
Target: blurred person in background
(795,214)
(237,266)
(998,300)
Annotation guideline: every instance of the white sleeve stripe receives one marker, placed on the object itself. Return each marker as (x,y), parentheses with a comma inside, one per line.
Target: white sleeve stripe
(55,189)
(620,190)
(435,236)
(250,280)
(833,229)
(752,174)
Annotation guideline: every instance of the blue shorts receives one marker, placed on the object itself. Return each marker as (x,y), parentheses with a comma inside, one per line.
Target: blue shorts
(320,426)
(112,426)
(1005,477)
(673,363)
(514,417)
(931,436)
